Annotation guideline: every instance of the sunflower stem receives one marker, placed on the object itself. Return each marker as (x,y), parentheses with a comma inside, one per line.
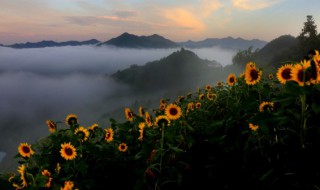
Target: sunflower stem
(303,124)
(161,148)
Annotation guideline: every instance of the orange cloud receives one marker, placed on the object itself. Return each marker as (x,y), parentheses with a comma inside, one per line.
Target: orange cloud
(209,6)
(251,5)
(184,19)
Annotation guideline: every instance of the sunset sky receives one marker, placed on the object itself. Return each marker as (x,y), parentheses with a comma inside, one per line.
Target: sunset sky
(178,20)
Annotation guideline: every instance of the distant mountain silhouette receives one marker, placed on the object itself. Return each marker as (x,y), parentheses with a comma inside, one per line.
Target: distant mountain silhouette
(133,41)
(183,69)
(229,43)
(44,43)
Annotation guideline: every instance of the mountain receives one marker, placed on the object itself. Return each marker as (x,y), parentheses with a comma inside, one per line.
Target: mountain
(182,69)
(133,41)
(228,42)
(44,43)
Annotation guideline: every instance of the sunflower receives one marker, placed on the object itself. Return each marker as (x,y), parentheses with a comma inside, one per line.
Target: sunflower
(211,96)
(22,172)
(173,111)
(232,79)
(162,120)
(83,133)
(52,126)
(141,127)
(201,96)
(162,106)
(25,150)
(68,185)
(162,101)
(252,75)
(123,147)
(71,120)
(93,127)
(253,127)
(266,106)
(148,119)
(180,99)
(219,84)
(109,135)
(284,73)
(48,175)
(270,76)
(198,105)
(208,87)
(129,114)
(301,73)
(190,106)
(141,111)
(68,151)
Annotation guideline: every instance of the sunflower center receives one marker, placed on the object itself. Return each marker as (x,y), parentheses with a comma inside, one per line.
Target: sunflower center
(108,135)
(300,75)
(286,74)
(173,111)
(68,151)
(163,122)
(122,147)
(72,121)
(254,74)
(26,149)
(231,80)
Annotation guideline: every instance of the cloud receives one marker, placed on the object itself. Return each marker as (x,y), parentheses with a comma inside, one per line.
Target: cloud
(251,5)
(207,7)
(184,19)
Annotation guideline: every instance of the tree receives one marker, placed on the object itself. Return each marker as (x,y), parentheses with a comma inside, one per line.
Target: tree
(308,37)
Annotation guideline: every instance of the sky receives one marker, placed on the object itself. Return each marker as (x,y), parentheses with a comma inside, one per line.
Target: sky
(178,20)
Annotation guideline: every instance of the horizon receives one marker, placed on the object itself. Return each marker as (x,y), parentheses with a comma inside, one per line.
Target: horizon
(80,20)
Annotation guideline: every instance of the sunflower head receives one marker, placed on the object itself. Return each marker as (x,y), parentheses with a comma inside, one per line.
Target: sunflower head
(123,147)
(266,106)
(68,185)
(83,133)
(141,111)
(301,73)
(93,127)
(52,126)
(128,114)
(22,172)
(211,96)
(173,111)
(208,87)
(162,120)
(148,119)
(25,150)
(71,120)
(47,174)
(252,74)
(68,151)
(109,135)
(253,127)
(232,79)
(284,73)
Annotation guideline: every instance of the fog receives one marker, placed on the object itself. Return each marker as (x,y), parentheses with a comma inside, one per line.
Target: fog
(50,83)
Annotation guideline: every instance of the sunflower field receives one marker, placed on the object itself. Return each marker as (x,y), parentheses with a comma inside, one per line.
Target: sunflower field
(255,131)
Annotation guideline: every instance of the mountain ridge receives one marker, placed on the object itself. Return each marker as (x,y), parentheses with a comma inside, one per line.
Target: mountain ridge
(127,40)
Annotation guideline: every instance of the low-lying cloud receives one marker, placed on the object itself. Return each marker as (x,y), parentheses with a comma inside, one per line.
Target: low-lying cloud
(50,83)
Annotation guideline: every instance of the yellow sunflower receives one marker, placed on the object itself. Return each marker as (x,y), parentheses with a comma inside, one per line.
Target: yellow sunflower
(219,84)
(129,114)
(208,87)
(148,119)
(211,96)
(25,150)
(68,151)
(232,79)
(122,147)
(252,74)
(253,127)
(284,73)
(180,99)
(93,127)
(83,133)
(68,185)
(198,105)
(173,111)
(141,111)
(141,127)
(201,96)
(109,135)
(162,106)
(47,174)
(71,120)
(22,172)
(162,120)
(52,126)
(301,73)
(266,106)
(270,76)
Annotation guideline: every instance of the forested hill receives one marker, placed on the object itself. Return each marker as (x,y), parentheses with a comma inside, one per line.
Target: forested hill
(182,69)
